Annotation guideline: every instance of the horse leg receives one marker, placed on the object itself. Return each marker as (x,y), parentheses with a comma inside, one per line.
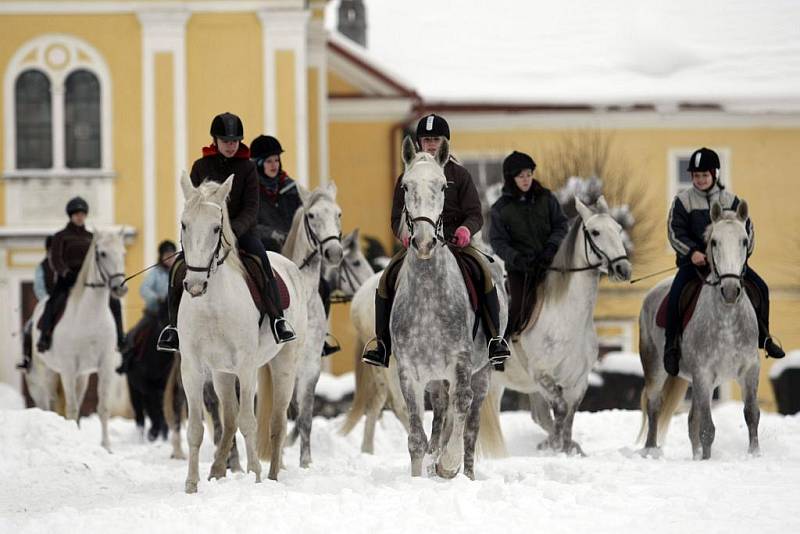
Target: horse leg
(461,400)
(105,379)
(211,402)
(193,386)
(305,415)
(283,379)
(439,401)
(559,422)
(373,410)
(71,406)
(652,405)
(752,414)
(225,386)
(414,394)
(247,422)
(570,446)
(178,403)
(480,387)
(136,403)
(703,425)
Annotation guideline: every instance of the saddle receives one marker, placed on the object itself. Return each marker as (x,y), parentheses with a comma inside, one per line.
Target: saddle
(257,282)
(686,304)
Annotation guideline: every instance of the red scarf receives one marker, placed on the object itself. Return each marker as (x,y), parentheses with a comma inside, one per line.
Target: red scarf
(242,153)
(269,193)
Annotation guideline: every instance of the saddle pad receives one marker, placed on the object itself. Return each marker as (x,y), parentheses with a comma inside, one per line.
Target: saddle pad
(686,305)
(469,281)
(256,282)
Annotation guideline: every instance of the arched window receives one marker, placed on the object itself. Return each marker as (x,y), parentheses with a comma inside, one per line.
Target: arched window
(34,120)
(82,121)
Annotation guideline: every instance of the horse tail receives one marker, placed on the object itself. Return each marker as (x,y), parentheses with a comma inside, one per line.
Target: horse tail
(264,412)
(491,443)
(365,390)
(672,394)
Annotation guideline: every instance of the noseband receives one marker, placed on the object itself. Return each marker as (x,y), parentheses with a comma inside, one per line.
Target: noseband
(438,225)
(213,263)
(718,278)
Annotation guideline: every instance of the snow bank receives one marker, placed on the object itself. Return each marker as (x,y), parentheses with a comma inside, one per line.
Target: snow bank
(10,398)
(624,363)
(335,387)
(56,478)
(790,361)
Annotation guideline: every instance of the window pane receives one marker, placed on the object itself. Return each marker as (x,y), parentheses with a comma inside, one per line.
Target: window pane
(474,169)
(82,120)
(494,172)
(34,121)
(684,177)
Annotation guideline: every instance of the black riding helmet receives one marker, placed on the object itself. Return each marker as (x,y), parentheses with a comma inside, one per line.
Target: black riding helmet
(432,126)
(77,204)
(265,146)
(704,159)
(166,247)
(228,127)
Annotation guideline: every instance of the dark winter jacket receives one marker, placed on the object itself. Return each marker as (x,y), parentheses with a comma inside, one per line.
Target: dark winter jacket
(462,205)
(277,212)
(69,248)
(243,201)
(690,215)
(523,224)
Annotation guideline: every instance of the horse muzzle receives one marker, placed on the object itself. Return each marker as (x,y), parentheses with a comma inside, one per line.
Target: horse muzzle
(333,253)
(621,270)
(119,291)
(196,289)
(423,247)
(731,289)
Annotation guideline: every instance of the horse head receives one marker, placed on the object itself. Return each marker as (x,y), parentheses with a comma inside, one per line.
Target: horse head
(323,222)
(727,248)
(206,234)
(423,184)
(109,252)
(603,238)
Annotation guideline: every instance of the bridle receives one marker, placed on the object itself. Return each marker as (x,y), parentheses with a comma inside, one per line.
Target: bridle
(315,242)
(718,278)
(106,278)
(438,226)
(589,244)
(215,261)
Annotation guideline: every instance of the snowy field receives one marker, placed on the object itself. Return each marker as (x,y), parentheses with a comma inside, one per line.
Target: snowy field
(56,478)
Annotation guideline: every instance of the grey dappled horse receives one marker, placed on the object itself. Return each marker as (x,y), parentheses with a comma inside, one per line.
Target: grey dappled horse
(719,343)
(431,326)
(552,358)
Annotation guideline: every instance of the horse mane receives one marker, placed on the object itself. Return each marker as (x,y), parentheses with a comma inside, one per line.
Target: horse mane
(556,283)
(229,243)
(80,282)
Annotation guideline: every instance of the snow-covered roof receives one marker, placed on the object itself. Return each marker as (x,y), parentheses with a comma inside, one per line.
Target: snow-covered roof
(790,361)
(619,362)
(738,53)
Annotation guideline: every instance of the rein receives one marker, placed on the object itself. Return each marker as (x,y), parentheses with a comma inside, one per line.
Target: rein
(315,242)
(134,275)
(589,244)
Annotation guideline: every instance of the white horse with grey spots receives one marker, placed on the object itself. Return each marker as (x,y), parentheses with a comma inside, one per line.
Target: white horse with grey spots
(218,324)
(85,339)
(431,326)
(719,343)
(552,359)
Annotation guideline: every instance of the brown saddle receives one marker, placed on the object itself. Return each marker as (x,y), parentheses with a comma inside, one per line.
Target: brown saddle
(686,304)
(256,282)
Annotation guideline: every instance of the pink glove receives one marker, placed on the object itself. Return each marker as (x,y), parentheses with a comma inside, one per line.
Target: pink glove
(406,239)
(462,236)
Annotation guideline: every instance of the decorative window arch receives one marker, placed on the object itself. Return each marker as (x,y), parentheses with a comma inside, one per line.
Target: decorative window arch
(57,109)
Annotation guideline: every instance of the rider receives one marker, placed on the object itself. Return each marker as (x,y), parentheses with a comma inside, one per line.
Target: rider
(461,218)
(688,219)
(154,291)
(225,156)
(527,227)
(67,252)
(44,280)
(280,200)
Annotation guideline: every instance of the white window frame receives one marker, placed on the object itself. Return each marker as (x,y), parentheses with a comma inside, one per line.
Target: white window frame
(481,160)
(57,56)
(675,154)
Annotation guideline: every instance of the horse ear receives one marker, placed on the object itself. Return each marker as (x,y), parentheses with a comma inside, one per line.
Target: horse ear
(583,211)
(409,151)
(601,204)
(743,211)
(716,211)
(350,241)
(305,194)
(186,185)
(224,190)
(331,186)
(443,154)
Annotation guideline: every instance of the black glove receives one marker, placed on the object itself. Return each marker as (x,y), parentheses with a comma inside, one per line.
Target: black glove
(545,258)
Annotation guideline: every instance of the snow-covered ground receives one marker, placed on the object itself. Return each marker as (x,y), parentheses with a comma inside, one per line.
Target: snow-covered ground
(56,478)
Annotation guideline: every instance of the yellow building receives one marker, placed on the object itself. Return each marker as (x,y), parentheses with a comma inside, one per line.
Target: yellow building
(112,99)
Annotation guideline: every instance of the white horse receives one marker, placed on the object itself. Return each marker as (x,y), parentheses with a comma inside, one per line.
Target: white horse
(314,240)
(218,324)
(85,339)
(551,360)
(720,343)
(431,327)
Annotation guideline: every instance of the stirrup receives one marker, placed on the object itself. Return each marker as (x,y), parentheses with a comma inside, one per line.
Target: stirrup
(777,343)
(330,348)
(288,328)
(162,345)
(372,356)
(501,351)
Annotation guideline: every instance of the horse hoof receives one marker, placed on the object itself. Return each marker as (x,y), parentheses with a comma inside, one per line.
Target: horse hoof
(651,452)
(177,456)
(574,449)
(191,487)
(544,446)
(755,452)
(470,474)
(217,473)
(447,473)
(236,468)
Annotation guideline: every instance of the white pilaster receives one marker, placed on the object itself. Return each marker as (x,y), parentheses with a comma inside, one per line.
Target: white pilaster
(287,29)
(318,58)
(162,31)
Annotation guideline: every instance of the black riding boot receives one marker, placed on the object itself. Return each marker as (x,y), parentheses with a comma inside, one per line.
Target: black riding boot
(47,320)
(379,355)
(281,329)
(27,346)
(672,354)
(116,311)
(168,339)
(498,348)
